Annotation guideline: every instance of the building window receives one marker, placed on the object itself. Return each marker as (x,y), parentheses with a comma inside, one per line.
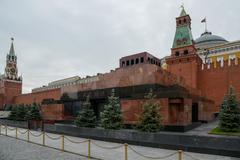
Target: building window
(132,62)
(142,59)
(180,21)
(185,52)
(151,61)
(148,60)
(127,62)
(184,20)
(137,61)
(177,53)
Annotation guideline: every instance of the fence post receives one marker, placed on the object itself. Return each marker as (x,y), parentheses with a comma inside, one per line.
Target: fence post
(89,149)
(16,133)
(28,138)
(126,151)
(0,129)
(62,142)
(179,154)
(6,130)
(43,138)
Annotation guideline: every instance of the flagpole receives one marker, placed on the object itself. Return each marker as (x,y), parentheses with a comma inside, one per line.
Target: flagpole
(205,24)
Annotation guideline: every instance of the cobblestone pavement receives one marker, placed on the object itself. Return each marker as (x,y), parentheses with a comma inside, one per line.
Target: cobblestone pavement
(13,149)
(20,150)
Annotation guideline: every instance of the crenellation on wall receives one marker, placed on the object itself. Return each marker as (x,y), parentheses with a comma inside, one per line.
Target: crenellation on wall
(221,64)
(215,81)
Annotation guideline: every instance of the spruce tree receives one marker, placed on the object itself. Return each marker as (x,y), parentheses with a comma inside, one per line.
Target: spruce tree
(111,117)
(21,112)
(229,117)
(28,109)
(86,117)
(13,113)
(36,112)
(33,113)
(7,107)
(150,119)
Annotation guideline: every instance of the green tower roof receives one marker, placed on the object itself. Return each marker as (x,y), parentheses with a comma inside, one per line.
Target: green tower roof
(183,36)
(183,12)
(12,52)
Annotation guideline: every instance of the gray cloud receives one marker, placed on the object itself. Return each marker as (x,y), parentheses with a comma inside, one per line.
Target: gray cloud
(55,39)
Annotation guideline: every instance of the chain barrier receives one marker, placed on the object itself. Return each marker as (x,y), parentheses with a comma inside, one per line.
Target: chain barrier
(104,147)
(76,142)
(3,127)
(188,155)
(22,132)
(126,146)
(10,129)
(148,157)
(35,135)
(52,138)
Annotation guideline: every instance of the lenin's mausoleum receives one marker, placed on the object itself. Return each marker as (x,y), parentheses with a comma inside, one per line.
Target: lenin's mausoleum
(189,84)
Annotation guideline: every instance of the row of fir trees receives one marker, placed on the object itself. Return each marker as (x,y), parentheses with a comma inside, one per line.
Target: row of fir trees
(229,117)
(24,112)
(150,119)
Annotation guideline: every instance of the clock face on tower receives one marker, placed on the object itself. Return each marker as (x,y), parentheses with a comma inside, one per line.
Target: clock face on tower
(11,70)
(9,65)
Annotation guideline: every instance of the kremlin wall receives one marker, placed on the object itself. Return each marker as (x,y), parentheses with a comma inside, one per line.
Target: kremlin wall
(190,84)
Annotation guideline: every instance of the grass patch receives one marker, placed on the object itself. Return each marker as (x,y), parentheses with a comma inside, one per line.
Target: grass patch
(218,131)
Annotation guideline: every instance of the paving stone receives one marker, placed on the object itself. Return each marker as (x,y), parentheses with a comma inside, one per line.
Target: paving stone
(13,149)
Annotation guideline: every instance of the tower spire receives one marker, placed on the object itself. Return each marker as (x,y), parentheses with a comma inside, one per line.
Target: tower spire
(183,12)
(11,71)
(12,52)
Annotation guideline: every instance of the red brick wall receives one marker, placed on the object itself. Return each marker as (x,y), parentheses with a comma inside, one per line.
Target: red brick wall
(186,67)
(37,97)
(52,112)
(10,89)
(214,82)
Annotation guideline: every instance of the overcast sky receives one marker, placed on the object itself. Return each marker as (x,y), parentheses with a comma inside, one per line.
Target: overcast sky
(57,39)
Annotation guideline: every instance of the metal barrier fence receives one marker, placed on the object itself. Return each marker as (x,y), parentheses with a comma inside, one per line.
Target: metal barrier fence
(62,138)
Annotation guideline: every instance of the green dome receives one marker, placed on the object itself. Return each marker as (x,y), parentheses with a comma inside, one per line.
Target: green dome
(207,39)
